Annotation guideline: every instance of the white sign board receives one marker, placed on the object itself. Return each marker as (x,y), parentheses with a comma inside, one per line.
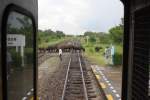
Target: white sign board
(112,50)
(15,40)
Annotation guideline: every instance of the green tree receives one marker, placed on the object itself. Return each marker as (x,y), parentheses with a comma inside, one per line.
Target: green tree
(104,38)
(60,34)
(92,39)
(116,34)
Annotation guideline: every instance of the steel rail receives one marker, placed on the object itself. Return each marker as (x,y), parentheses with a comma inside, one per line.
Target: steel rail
(66,79)
(83,81)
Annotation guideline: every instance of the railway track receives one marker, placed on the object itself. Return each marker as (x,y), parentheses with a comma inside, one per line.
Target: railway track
(77,84)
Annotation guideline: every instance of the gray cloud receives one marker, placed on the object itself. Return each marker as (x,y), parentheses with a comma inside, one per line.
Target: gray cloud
(78,16)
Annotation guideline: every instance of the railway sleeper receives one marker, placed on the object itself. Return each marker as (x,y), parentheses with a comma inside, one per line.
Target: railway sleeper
(92,95)
(90,91)
(75,70)
(75,77)
(87,80)
(75,85)
(89,88)
(73,96)
(75,91)
(92,99)
(74,88)
(80,81)
(76,74)
(89,85)
(74,67)
(76,82)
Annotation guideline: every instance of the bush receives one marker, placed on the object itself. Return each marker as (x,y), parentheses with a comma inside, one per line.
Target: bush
(97,49)
(92,39)
(16,59)
(117,59)
(28,55)
(91,50)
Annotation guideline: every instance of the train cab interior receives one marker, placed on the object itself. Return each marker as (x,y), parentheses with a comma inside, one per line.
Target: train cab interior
(18,50)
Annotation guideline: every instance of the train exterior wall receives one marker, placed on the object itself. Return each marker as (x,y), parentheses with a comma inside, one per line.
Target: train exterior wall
(131,7)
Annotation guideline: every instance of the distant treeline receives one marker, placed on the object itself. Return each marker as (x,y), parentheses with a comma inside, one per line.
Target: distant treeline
(49,35)
(115,36)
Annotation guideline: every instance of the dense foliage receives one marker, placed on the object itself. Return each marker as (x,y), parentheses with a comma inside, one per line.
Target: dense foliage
(95,40)
(49,36)
(115,36)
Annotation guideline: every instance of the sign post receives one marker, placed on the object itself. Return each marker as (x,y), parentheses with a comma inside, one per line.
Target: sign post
(17,40)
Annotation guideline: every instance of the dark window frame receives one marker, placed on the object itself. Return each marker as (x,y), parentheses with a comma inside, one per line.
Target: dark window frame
(15,8)
(143,12)
(126,38)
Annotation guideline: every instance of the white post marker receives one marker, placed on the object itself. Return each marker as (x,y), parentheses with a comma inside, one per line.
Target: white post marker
(112,54)
(17,49)
(17,40)
(22,56)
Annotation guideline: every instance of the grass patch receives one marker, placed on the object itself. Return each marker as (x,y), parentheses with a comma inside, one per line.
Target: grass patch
(98,57)
(95,57)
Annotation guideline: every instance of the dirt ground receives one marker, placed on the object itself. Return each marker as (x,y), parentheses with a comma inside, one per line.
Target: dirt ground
(51,77)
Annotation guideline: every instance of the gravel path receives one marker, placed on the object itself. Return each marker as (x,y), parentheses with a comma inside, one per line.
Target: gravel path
(51,77)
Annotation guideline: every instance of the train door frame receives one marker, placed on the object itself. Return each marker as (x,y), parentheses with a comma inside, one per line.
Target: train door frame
(141,80)
(129,6)
(15,8)
(126,37)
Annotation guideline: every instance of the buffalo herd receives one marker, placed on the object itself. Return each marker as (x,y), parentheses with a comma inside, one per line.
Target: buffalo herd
(66,46)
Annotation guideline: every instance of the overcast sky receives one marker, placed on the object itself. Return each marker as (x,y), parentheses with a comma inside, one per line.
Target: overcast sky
(78,16)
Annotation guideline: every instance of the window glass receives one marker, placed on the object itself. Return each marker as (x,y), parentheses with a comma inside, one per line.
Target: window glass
(19,57)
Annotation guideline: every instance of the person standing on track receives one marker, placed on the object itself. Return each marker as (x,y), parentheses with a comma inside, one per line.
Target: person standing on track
(60,54)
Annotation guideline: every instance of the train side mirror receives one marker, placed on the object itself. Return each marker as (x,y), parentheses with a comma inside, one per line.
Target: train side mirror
(19,56)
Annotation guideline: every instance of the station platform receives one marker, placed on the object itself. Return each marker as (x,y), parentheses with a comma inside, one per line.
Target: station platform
(109,80)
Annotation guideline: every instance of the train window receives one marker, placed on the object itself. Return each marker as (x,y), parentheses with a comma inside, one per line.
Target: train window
(19,59)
